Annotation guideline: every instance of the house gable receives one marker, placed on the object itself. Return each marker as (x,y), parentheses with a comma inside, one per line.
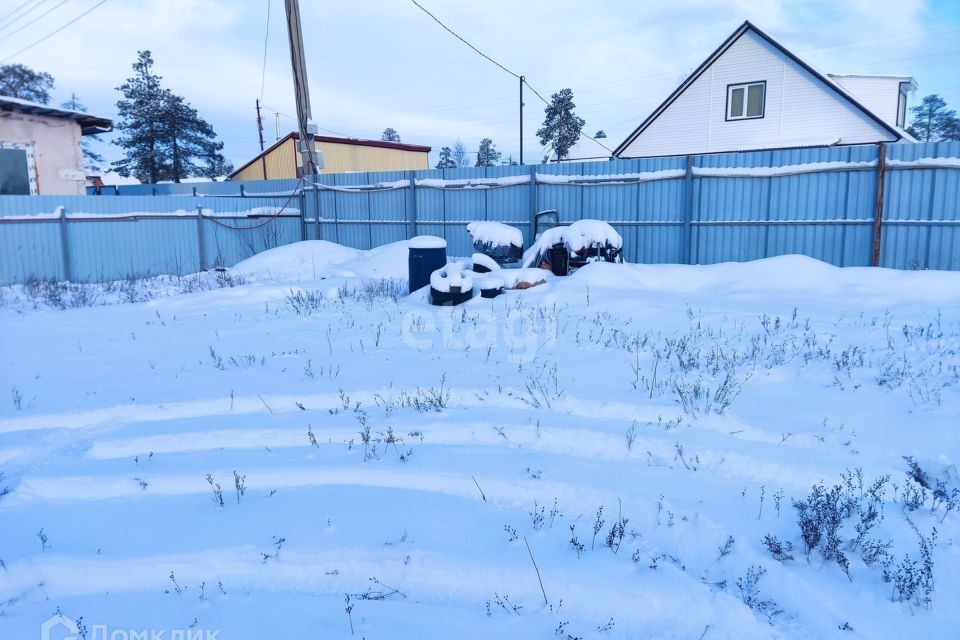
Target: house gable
(801,106)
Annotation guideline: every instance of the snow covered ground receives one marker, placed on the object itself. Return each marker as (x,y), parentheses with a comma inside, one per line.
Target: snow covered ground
(407,471)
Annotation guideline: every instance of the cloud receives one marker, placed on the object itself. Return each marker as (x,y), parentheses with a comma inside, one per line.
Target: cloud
(377,64)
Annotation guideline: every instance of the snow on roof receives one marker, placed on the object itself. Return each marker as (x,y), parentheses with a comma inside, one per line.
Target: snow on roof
(113,178)
(89,124)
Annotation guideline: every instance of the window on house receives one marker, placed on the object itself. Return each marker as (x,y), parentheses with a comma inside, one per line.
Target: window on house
(746,100)
(18,171)
(14,172)
(902,109)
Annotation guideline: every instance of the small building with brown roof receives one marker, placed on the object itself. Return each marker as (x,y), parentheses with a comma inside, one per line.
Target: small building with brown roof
(340,155)
(40,148)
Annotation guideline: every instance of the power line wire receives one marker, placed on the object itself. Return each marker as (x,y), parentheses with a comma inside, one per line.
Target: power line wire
(454,34)
(27,24)
(464,41)
(18,7)
(286,115)
(52,33)
(7,23)
(266,39)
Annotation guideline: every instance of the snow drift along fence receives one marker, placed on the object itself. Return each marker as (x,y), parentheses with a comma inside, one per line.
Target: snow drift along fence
(821,202)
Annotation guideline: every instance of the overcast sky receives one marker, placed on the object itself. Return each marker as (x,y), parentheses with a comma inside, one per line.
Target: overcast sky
(383,63)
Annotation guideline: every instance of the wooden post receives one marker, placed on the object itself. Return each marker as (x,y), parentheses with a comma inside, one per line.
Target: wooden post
(65,245)
(200,243)
(301,88)
(687,236)
(878,205)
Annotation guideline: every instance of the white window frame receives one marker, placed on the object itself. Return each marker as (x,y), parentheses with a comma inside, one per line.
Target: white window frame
(31,162)
(902,109)
(746,92)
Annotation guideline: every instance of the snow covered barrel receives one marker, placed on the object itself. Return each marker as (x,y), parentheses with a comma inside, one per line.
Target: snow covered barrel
(451,285)
(500,241)
(427,254)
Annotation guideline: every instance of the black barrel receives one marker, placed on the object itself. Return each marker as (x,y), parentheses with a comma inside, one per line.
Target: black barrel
(559,259)
(427,254)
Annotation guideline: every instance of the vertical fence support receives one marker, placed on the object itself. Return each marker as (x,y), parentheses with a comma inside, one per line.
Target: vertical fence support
(316,209)
(201,251)
(533,202)
(687,234)
(303,214)
(65,245)
(412,204)
(878,205)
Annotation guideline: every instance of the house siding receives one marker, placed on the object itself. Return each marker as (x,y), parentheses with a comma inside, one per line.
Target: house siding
(279,162)
(799,111)
(283,161)
(880,95)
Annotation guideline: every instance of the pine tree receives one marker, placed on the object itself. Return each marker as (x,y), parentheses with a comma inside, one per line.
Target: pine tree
(460,155)
(163,136)
(487,155)
(142,135)
(561,127)
(390,135)
(600,134)
(446,161)
(932,120)
(91,159)
(20,81)
(216,165)
(194,149)
(951,130)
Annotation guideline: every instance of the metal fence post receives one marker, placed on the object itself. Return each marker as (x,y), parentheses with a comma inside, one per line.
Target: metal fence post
(412,204)
(200,243)
(533,201)
(316,209)
(65,245)
(687,238)
(878,205)
(303,214)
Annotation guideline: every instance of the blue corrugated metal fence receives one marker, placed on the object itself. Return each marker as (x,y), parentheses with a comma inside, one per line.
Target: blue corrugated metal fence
(820,202)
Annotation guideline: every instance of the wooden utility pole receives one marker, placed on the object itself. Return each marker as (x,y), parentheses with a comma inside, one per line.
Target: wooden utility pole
(263,158)
(259,124)
(521,119)
(300,87)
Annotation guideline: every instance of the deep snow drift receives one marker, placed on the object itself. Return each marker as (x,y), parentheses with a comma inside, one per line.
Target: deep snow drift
(312,453)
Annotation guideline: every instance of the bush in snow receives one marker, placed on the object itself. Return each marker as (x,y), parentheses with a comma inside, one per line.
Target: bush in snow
(779,550)
(913,581)
(750,593)
(384,289)
(305,303)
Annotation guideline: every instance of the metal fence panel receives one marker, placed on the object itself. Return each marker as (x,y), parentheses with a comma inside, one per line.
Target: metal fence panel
(824,211)
(922,209)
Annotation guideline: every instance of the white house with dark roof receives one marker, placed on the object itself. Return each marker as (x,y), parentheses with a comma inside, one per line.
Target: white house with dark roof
(40,148)
(753,93)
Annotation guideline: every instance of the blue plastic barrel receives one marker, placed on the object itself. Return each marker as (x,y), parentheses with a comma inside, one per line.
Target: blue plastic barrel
(427,254)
